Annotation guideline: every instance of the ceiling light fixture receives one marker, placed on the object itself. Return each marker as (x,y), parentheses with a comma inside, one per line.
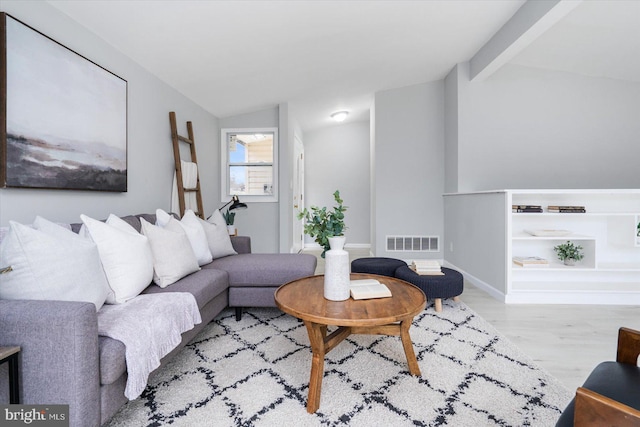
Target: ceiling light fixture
(339,116)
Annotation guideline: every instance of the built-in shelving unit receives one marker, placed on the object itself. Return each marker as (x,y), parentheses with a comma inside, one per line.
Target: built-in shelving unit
(607,232)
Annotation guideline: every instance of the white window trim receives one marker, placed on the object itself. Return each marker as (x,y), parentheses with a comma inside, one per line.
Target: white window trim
(225,196)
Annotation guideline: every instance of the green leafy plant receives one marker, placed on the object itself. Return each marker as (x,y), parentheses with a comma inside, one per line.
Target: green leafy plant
(638,230)
(568,251)
(229,217)
(321,223)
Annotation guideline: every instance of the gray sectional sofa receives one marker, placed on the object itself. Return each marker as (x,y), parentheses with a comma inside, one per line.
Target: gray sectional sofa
(64,360)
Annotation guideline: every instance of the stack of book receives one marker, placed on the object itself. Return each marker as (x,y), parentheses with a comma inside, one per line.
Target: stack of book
(567,209)
(428,267)
(530,261)
(526,208)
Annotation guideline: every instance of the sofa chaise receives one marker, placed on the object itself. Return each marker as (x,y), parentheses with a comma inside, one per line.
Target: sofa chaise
(64,361)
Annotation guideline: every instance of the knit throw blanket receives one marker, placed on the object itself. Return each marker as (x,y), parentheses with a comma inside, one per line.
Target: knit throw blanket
(149,326)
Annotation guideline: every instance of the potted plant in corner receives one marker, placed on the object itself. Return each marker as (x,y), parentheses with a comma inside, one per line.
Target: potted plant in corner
(322,224)
(229,218)
(569,253)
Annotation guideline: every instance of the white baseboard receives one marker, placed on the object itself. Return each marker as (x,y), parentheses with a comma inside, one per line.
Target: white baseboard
(479,283)
(315,246)
(572,297)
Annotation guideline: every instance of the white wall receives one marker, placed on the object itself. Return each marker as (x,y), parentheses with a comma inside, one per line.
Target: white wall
(337,158)
(520,128)
(286,125)
(532,128)
(150,154)
(290,130)
(451,112)
(260,220)
(372,176)
(476,238)
(409,165)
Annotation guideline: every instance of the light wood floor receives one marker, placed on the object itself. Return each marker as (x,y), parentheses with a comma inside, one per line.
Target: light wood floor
(568,341)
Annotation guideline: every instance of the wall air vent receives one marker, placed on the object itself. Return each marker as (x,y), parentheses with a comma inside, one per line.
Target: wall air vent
(413,244)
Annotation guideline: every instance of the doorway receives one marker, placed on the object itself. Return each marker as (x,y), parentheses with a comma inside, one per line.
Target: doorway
(298,195)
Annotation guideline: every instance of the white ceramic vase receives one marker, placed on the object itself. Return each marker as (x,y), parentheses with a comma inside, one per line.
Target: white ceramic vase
(336,271)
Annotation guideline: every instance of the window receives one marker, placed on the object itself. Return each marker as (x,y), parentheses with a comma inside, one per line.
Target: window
(249,164)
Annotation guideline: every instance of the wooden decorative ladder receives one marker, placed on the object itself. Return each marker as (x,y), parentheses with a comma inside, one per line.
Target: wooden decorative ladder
(176,139)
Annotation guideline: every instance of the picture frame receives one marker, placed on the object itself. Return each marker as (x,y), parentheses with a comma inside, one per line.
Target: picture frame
(63,118)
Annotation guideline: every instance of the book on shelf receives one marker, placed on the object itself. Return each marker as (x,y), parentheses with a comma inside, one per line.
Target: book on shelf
(530,261)
(427,267)
(526,208)
(566,209)
(368,289)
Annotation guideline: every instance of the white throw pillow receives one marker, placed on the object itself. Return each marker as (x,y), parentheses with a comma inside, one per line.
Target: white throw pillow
(125,255)
(173,257)
(53,229)
(193,229)
(51,263)
(5,230)
(217,235)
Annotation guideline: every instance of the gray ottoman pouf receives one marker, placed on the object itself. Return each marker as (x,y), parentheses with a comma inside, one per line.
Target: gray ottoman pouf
(381,266)
(434,287)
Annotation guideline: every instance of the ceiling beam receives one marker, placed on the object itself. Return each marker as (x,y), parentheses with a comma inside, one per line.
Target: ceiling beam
(527,24)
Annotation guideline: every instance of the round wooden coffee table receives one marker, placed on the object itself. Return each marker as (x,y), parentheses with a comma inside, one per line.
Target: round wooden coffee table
(304,299)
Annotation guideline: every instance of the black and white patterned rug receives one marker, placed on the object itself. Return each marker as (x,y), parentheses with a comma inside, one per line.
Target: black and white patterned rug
(256,373)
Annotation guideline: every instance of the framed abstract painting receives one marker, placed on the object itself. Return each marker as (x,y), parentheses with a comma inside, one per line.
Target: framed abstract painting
(63,117)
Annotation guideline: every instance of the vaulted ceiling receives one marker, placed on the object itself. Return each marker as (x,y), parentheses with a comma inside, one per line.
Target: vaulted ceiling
(233,57)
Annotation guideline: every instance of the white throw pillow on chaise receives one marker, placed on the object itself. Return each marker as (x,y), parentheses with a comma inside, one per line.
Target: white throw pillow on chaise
(125,255)
(218,236)
(193,229)
(173,257)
